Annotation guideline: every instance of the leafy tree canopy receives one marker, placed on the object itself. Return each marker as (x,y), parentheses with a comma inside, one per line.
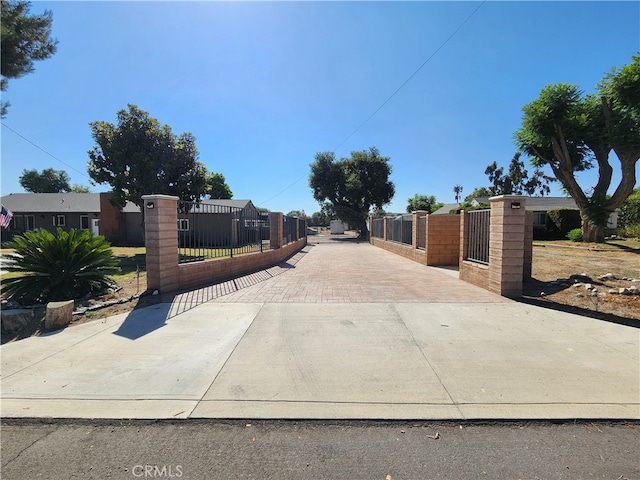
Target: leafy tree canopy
(352,185)
(516,181)
(426,203)
(25,38)
(217,187)
(49,181)
(296,213)
(75,188)
(138,156)
(478,192)
(570,131)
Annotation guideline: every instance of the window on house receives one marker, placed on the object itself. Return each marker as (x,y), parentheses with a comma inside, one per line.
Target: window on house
(183,224)
(23,223)
(540,219)
(84,222)
(59,221)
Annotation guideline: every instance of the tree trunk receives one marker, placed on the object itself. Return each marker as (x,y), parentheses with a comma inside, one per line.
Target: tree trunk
(364,231)
(591,232)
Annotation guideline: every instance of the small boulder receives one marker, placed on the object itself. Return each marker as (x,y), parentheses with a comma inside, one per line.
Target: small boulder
(607,277)
(14,320)
(59,315)
(613,291)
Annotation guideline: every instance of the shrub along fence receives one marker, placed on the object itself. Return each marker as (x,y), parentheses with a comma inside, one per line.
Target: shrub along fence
(250,242)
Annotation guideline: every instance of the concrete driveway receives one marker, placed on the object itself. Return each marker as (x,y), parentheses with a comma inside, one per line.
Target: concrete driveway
(341,330)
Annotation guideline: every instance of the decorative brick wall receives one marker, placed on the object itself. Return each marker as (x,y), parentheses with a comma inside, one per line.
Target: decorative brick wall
(510,248)
(442,241)
(165,274)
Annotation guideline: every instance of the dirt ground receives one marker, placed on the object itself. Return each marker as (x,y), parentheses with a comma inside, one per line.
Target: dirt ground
(562,260)
(550,263)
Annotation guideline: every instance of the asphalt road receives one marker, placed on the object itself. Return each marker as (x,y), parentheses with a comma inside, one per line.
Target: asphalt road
(216,450)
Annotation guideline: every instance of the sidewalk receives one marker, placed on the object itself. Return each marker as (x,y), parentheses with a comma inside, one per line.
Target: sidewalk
(341,331)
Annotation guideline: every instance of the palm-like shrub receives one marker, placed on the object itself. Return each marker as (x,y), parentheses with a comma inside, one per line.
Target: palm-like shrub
(64,266)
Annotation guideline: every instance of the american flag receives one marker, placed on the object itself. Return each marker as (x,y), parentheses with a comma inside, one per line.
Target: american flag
(5,217)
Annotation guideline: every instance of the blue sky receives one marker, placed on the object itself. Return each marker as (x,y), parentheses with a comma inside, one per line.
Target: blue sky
(264,86)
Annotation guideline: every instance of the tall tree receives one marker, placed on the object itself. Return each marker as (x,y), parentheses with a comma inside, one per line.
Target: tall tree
(75,188)
(458,191)
(426,203)
(571,132)
(138,156)
(478,192)
(353,185)
(25,38)
(516,181)
(217,187)
(49,181)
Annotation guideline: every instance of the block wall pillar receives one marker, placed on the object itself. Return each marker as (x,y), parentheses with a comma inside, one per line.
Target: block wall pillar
(276,230)
(507,244)
(161,241)
(415,232)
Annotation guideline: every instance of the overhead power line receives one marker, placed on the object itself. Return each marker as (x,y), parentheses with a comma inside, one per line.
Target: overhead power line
(43,150)
(410,77)
(466,20)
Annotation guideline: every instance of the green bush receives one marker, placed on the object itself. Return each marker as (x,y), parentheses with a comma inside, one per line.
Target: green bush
(630,210)
(64,266)
(632,231)
(575,235)
(561,221)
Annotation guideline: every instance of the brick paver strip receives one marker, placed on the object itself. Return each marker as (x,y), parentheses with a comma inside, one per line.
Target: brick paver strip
(340,272)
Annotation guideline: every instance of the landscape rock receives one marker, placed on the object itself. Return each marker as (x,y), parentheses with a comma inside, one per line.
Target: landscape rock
(59,315)
(14,320)
(580,295)
(613,291)
(580,277)
(624,291)
(588,286)
(607,276)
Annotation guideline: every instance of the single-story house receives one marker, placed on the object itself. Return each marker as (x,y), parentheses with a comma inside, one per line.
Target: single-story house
(87,211)
(538,205)
(217,222)
(214,222)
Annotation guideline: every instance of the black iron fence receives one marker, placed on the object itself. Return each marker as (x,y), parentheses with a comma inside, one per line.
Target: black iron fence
(400,229)
(293,229)
(477,227)
(206,230)
(377,227)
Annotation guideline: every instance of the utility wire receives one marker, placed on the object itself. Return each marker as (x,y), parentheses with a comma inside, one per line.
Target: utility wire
(43,150)
(411,77)
(442,45)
